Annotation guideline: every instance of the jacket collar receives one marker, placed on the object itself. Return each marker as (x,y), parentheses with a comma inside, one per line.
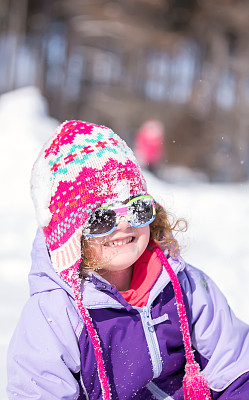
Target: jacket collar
(98,293)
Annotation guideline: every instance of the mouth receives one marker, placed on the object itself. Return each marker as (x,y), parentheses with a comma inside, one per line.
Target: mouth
(120,242)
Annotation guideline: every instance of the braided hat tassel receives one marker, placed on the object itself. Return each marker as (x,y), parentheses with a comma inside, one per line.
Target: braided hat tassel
(194,383)
(76,282)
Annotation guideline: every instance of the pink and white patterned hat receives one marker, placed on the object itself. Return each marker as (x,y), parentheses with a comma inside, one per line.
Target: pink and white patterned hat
(81,167)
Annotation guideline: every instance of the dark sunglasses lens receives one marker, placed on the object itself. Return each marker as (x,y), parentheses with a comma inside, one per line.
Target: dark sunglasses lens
(140,211)
(101,221)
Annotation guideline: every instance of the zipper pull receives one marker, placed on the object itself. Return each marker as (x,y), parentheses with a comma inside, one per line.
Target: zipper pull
(150,327)
(148,318)
(146,312)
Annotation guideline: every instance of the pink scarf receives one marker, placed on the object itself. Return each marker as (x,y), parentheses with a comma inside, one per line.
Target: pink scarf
(145,273)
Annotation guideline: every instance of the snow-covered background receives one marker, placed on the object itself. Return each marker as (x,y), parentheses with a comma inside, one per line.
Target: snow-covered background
(217,240)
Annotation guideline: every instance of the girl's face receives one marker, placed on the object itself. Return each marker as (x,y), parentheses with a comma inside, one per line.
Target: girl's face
(119,250)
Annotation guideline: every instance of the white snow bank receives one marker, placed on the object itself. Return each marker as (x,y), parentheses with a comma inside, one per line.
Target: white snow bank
(24,126)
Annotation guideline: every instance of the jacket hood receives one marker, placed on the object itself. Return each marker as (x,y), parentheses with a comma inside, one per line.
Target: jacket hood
(42,276)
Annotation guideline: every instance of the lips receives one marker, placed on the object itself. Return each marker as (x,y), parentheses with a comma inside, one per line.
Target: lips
(119,242)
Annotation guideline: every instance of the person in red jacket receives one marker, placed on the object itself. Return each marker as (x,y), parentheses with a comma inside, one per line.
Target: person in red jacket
(149,144)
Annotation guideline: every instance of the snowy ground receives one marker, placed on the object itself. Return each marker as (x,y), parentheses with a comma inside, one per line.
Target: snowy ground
(217,240)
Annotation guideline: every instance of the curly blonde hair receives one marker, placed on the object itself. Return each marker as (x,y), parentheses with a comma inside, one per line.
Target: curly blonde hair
(162,231)
(163,227)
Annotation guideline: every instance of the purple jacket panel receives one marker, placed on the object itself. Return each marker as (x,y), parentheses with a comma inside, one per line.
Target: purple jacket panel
(126,370)
(125,350)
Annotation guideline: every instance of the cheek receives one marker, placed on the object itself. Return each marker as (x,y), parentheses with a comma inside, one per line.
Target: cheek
(144,235)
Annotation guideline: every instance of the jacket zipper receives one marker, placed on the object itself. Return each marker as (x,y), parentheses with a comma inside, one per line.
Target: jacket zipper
(157,392)
(152,341)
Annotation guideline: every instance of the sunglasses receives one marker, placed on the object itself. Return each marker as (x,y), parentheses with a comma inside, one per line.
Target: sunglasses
(139,211)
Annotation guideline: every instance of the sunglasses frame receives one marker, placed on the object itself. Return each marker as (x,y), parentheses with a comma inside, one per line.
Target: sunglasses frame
(121,214)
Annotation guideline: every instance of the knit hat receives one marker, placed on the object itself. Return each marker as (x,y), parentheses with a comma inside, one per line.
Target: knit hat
(81,167)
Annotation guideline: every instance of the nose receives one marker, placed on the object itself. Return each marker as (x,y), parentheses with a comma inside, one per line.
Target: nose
(123,222)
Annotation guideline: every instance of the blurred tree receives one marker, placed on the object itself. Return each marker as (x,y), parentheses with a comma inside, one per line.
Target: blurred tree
(184,62)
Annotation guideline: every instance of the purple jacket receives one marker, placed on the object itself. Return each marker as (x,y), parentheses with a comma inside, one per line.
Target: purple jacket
(51,356)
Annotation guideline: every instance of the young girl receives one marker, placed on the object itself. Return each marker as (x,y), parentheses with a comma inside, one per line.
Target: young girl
(115,312)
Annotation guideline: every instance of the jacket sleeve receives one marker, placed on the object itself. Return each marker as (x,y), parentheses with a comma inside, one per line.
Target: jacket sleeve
(43,354)
(218,336)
